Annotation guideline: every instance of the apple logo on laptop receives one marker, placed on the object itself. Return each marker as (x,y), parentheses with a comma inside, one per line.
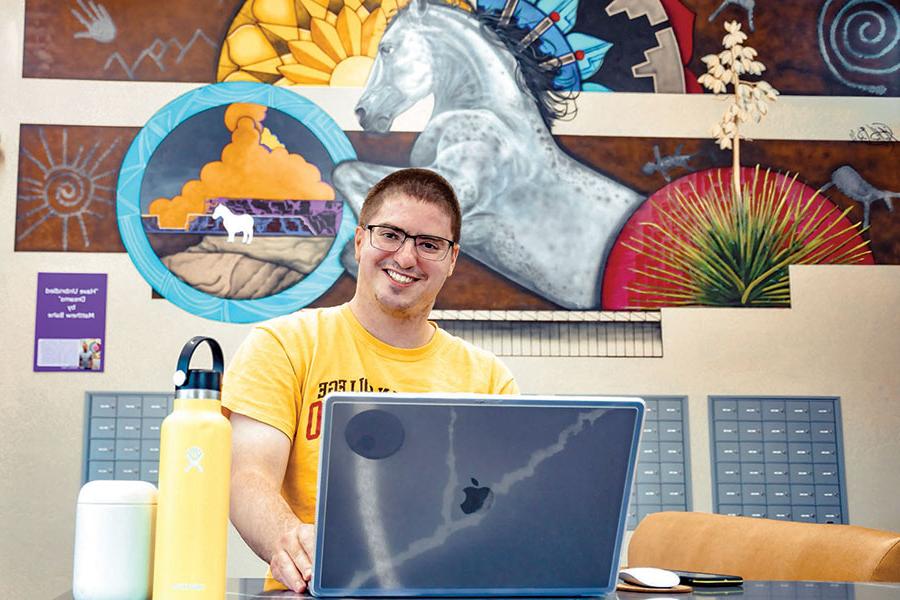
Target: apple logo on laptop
(477,497)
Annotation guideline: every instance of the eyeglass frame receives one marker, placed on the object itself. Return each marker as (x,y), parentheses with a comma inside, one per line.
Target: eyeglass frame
(407,236)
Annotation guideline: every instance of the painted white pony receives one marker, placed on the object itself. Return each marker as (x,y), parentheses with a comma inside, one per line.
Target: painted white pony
(530,212)
(235,224)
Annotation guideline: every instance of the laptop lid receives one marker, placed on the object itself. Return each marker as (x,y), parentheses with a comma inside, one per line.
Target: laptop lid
(446,495)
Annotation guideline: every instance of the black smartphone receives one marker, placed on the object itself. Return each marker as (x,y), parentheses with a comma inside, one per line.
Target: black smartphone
(696,579)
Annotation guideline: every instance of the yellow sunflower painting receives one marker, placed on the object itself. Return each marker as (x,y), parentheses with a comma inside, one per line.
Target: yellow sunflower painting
(305,42)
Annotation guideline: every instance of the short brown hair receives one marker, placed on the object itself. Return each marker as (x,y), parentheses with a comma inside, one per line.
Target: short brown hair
(423,185)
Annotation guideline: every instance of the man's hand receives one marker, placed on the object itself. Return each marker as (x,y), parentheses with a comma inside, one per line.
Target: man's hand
(293,555)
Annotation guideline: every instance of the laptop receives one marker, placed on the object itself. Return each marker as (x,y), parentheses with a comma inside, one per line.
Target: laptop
(468,495)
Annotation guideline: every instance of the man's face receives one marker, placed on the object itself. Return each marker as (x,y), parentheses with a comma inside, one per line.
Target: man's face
(403,284)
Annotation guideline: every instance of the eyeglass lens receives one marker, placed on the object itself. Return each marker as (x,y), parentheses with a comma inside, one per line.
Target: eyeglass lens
(390,239)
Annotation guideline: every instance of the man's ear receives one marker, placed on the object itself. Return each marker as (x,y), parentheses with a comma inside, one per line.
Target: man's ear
(359,237)
(454,253)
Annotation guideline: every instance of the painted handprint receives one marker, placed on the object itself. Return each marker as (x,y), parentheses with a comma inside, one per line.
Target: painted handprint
(98,25)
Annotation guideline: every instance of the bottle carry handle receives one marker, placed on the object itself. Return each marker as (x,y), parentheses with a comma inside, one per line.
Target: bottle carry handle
(184,360)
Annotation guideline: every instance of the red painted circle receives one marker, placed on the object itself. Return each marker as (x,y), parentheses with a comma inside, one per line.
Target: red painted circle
(623,262)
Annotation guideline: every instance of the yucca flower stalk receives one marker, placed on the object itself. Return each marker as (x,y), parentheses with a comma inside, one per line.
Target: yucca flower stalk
(713,248)
(749,99)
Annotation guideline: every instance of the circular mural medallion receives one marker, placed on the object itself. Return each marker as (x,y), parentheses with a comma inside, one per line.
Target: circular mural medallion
(225,203)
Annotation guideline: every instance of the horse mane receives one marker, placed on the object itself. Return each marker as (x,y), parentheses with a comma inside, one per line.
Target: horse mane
(535,78)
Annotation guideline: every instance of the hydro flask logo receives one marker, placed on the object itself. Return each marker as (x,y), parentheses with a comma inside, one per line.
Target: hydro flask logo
(194,455)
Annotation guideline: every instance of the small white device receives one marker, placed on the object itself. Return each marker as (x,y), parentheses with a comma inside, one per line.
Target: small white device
(649,577)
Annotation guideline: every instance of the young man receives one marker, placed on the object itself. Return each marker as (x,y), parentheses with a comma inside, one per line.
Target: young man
(406,245)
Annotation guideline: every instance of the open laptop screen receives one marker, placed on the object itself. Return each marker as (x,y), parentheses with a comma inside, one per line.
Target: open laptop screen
(492,495)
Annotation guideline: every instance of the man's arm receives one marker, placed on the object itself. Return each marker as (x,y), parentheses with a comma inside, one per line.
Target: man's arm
(259,512)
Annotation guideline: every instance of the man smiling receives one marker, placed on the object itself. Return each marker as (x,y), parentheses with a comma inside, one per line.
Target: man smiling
(407,243)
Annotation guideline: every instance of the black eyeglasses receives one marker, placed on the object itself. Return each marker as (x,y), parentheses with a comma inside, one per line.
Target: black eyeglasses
(391,239)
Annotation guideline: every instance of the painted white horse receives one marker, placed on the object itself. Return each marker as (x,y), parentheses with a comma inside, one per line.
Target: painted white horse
(235,224)
(530,212)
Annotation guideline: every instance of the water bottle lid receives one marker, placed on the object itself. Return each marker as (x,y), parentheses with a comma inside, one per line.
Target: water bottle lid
(117,492)
(186,378)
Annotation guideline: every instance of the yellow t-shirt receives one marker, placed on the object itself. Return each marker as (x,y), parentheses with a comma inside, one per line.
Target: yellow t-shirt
(286,366)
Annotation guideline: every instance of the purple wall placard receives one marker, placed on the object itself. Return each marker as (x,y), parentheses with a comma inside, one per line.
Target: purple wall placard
(70,322)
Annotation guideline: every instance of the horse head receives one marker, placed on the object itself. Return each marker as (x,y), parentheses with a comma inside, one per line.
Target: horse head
(220,211)
(402,73)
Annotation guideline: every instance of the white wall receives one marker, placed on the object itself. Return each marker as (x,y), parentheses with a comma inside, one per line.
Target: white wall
(840,338)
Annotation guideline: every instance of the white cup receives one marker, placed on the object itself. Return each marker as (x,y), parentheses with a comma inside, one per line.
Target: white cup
(114,525)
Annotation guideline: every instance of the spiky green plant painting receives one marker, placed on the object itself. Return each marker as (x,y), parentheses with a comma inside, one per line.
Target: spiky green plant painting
(730,244)
(712,248)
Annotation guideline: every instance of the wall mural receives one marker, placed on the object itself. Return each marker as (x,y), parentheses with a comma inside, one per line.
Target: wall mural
(310,44)
(620,229)
(501,167)
(65,199)
(208,167)
(850,47)
(727,239)
(167,40)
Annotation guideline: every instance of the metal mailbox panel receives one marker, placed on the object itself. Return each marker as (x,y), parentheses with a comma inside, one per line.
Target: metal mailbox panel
(122,432)
(662,476)
(779,458)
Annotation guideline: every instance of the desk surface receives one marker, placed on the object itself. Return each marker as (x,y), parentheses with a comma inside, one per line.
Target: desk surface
(249,589)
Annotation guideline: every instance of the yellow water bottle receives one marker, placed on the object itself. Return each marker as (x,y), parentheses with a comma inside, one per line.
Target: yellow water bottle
(194,470)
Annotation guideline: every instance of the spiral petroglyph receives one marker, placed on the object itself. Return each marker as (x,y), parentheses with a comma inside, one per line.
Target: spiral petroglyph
(66,189)
(860,43)
(69,182)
